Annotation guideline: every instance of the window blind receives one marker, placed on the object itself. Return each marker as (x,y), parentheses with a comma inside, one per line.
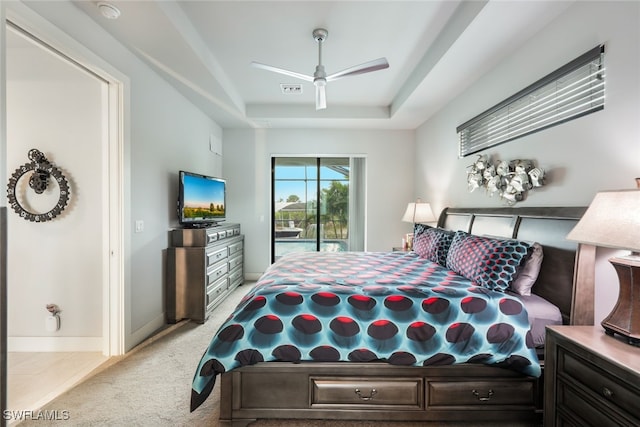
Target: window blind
(572,91)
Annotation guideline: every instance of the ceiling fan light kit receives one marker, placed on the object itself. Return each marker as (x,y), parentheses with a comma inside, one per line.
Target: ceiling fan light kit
(320,77)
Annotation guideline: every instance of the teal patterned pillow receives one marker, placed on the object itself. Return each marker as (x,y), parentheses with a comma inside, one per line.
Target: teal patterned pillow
(491,263)
(433,244)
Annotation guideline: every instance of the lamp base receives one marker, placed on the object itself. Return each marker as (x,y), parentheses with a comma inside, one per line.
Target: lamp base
(624,319)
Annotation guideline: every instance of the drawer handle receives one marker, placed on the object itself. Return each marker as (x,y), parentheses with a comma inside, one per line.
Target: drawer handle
(483,398)
(607,393)
(370,397)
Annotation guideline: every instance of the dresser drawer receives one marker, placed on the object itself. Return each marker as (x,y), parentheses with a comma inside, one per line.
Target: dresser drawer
(605,386)
(216,272)
(215,255)
(574,408)
(236,277)
(235,262)
(481,392)
(236,248)
(215,292)
(379,392)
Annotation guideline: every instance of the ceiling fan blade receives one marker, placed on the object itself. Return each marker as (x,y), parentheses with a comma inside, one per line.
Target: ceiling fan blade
(321,97)
(282,71)
(367,67)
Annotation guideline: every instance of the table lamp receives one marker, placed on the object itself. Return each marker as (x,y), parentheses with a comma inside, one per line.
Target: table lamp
(613,221)
(418,213)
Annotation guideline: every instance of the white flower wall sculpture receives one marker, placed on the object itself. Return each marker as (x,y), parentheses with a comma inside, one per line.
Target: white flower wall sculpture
(510,180)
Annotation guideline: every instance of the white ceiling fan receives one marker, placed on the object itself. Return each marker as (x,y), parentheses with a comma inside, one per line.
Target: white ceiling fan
(320,77)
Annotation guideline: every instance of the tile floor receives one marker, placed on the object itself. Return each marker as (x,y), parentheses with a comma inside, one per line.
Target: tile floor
(36,378)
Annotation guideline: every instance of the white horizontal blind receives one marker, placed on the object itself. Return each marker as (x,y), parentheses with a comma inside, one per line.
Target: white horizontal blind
(570,92)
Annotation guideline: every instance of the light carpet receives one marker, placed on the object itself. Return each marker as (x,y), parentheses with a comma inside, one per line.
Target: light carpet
(151,386)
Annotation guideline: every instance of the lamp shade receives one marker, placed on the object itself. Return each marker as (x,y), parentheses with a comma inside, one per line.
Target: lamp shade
(418,212)
(612,220)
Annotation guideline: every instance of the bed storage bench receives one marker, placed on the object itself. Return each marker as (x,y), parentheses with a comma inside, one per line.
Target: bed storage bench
(380,392)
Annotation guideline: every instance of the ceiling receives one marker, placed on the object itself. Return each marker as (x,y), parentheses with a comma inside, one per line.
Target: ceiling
(435,49)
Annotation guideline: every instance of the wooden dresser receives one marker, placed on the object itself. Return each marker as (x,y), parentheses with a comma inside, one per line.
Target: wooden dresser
(591,379)
(204,265)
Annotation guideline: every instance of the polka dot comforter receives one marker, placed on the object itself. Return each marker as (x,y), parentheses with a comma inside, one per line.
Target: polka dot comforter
(393,307)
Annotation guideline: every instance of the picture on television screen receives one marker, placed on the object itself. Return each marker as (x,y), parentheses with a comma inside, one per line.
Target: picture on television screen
(202,198)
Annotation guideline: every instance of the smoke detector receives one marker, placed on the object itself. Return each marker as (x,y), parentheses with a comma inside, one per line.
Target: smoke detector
(109,11)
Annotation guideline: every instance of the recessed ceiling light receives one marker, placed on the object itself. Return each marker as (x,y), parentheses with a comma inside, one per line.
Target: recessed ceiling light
(109,11)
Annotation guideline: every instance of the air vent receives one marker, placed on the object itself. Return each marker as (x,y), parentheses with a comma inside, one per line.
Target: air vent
(289,89)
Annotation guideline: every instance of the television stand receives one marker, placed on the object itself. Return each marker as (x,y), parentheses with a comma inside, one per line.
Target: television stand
(203,266)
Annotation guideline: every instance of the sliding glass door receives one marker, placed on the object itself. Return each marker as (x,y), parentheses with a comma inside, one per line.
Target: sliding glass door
(312,201)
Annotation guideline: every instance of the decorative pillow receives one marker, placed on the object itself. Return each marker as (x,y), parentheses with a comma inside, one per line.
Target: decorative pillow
(529,269)
(491,263)
(528,272)
(433,244)
(419,229)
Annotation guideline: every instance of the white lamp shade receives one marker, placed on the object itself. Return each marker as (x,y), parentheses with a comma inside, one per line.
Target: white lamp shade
(612,220)
(418,213)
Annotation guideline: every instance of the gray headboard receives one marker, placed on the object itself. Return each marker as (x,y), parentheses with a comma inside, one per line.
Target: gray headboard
(546,225)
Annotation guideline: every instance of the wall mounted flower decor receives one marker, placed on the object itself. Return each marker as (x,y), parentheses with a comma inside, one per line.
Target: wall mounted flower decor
(509,180)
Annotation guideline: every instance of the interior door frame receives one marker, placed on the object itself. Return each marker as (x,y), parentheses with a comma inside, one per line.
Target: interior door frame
(3,219)
(113,154)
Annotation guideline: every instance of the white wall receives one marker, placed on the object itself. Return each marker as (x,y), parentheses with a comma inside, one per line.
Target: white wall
(168,134)
(597,152)
(55,107)
(247,166)
(163,134)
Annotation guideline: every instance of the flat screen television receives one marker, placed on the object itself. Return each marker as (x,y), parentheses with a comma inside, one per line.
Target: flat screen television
(202,200)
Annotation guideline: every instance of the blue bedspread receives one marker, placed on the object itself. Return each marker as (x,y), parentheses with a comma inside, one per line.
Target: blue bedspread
(368,306)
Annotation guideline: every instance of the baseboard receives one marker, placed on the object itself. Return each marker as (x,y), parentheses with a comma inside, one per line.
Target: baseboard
(50,344)
(146,331)
(252,277)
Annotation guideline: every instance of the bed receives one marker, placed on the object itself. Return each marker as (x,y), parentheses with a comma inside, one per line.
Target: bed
(425,335)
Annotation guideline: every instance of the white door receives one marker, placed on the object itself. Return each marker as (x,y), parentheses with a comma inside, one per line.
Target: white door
(60,108)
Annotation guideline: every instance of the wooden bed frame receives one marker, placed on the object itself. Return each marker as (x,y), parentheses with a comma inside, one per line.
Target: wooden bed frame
(384,392)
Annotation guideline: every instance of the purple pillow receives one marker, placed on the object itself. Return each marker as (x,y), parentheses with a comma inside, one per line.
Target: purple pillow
(433,244)
(528,272)
(490,263)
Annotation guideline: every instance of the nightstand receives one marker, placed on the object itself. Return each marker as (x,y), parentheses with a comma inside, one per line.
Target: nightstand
(590,378)
(400,249)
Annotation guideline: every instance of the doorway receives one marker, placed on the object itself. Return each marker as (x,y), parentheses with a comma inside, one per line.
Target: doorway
(317,205)
(66,111)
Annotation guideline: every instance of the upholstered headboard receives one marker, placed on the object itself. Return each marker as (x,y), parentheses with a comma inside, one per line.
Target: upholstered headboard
(545,225)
